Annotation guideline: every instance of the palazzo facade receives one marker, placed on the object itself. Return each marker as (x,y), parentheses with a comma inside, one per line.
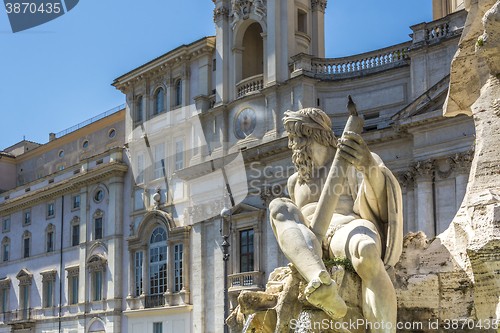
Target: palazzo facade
(201,131)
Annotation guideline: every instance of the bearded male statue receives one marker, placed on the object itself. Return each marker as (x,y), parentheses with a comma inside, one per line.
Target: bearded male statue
(366,226)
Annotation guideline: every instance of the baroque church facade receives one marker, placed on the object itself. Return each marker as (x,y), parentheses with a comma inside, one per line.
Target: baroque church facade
(201,131)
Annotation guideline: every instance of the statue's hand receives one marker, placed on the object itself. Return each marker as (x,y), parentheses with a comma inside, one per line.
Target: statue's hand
(354,149)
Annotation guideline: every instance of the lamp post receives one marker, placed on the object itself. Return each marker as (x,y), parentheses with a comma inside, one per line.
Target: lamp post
(226,216)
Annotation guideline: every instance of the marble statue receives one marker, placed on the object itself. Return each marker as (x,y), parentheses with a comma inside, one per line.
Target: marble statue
(366,226)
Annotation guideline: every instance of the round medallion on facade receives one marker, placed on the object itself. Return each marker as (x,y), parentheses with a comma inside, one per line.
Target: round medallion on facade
(98,195)
(244,123)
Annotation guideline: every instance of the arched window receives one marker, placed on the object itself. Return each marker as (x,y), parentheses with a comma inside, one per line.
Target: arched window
(178,92)
(158,261)
(138,114)
(159,101)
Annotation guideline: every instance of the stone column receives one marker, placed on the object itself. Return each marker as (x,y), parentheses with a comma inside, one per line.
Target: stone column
(114,228)
(82,273)
(222,30)
(461,163)
(424,175)
(185,268)
(406,182)
(170,274)
(145,269)
(237,55)
(131,290)
(318,28)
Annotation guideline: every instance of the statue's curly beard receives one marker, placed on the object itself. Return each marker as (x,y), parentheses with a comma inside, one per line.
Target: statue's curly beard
(302,157)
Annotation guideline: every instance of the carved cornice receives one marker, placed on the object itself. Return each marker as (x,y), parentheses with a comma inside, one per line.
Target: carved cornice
(49,275)
(221,13)
(461,162)
(64,187)
(72,270)
(5,283)
(423,171)
(319,5)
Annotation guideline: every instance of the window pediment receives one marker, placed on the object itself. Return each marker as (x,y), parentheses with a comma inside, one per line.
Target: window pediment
(49,274)
(73,270)
(5,283)
(96,262)
(24,276)
(98,213)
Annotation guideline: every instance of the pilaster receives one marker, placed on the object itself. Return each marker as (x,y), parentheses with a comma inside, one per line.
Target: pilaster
(424,176)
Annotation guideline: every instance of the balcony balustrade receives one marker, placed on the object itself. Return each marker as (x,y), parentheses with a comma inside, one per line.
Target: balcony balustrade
(247,280)
(250,84)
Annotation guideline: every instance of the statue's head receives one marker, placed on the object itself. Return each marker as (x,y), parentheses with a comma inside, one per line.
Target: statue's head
(303,127)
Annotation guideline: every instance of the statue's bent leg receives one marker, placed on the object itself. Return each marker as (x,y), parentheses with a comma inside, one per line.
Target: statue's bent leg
(304,251)
(379,297)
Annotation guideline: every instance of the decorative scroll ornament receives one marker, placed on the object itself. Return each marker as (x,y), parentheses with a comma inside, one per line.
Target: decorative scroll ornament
(241,10)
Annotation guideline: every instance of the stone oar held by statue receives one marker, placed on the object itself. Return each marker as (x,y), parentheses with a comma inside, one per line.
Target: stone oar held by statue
(336,178)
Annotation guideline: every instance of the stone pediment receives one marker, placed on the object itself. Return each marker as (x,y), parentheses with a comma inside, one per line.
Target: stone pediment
(432,100)
(242,208)
(24,274)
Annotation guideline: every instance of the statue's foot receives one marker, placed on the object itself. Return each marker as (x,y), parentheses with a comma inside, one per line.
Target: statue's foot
(322,293)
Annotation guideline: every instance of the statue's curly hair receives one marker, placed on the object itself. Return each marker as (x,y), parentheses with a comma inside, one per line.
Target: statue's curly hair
(302,127)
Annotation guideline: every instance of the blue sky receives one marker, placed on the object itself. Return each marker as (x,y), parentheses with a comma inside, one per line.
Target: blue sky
(58,74)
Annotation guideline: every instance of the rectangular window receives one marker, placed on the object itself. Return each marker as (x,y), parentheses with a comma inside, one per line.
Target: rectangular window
(157,327)
(140,169)
(179,154)
(6,249)
(6,224)
(26,247)
(27,217)
(246,251)
(159,165)
(75,235)
(74,289)
(61,167)
(178,249)
(97,286)
(39,175)
(302,21)
(98,228)
(76,202)
(21,182)
(50,242)
(48,294)
(138,273)
(5,295)
(25,297)
(50,210)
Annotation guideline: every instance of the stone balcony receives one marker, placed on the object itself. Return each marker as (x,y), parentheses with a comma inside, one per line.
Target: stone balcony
(352,66)
(447,27)
(246,281)
(249,85)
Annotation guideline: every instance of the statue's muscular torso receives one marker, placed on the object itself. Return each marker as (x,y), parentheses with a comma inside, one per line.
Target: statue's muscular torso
(307,194)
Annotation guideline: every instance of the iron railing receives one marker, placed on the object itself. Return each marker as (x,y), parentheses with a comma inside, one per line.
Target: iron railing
(154,301)
(91,120)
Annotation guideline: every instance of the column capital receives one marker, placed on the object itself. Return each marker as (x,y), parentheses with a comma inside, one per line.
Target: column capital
(221,13)
(423,171)
(461,162)
(319,5)
(406,180)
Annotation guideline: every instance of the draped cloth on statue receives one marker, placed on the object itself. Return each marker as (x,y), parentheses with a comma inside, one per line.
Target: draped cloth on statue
(387,215)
